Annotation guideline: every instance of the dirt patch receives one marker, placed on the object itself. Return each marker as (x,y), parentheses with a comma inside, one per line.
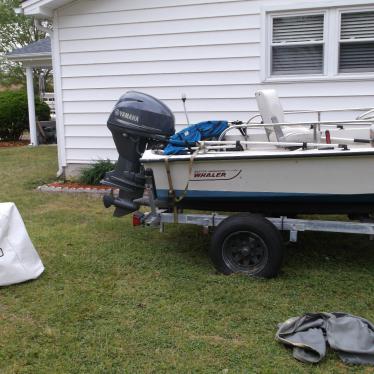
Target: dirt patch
(18,143)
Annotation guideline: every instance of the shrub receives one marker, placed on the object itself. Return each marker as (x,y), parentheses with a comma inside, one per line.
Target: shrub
(42,110)
(96,172)
(14,116)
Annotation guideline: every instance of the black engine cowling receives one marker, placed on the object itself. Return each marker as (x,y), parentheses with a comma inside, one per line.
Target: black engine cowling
(137,120)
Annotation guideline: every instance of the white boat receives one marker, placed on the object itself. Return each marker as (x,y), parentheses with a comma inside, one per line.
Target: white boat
(298,181)
(272,167)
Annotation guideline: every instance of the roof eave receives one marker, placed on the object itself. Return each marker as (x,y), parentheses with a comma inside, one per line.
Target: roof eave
(38,12)
(42,8)
(30,57)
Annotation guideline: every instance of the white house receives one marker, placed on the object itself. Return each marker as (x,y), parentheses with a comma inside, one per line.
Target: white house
(318,54)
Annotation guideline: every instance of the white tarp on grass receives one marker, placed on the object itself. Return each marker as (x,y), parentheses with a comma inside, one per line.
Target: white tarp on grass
(19,261)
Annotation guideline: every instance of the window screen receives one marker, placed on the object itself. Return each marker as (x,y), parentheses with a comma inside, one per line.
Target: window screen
(356,42)
(297,45)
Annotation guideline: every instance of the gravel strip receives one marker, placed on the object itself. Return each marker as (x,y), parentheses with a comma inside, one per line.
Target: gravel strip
(90,191)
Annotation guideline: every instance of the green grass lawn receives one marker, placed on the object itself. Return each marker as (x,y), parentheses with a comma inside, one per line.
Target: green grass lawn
(116,299)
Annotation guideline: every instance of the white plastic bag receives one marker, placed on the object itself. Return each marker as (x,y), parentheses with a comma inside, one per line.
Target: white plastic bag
(19,260)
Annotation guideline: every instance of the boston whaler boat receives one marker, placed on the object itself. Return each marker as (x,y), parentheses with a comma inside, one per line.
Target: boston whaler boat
(270,168)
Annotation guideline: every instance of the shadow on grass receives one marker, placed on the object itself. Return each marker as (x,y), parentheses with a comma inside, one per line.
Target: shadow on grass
(313,251)
(327,251)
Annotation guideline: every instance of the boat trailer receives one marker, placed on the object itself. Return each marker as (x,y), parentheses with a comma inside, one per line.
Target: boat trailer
(245,243)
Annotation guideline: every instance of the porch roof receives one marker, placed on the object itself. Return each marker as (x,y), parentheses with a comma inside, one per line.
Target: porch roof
(35,54)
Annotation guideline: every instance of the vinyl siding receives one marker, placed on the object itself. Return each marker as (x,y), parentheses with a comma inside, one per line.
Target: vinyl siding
(211,50)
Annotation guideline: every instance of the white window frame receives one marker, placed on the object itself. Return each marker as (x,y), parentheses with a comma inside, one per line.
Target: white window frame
(340,41)
(332,27)
(324,42)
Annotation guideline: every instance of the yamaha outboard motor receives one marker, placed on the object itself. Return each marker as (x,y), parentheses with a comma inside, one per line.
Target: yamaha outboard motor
(138,121)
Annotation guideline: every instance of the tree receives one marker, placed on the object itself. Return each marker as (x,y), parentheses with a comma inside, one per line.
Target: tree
(16,31)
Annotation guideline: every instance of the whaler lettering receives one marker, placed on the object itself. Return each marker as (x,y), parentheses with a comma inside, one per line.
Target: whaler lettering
(210,175)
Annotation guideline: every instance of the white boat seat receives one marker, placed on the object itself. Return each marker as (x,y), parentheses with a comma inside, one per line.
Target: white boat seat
(271,111)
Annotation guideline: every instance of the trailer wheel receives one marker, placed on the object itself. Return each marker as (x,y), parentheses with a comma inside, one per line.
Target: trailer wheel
(247,244)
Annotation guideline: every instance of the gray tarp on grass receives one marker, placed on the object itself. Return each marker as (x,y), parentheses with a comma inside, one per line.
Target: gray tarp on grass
(350,336)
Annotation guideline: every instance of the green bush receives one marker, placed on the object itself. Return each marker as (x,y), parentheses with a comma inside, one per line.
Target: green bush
(42,110)
(96,172)
(14,116)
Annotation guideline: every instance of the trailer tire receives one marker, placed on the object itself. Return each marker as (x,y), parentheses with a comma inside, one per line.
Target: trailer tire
(247,244)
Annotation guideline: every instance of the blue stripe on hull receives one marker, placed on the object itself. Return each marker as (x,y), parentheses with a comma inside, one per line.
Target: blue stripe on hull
(270,196)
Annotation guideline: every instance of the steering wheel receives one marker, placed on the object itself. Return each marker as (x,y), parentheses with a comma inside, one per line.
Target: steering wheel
(367,115)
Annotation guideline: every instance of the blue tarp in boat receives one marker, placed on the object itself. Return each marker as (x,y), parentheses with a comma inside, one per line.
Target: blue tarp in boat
(179,142)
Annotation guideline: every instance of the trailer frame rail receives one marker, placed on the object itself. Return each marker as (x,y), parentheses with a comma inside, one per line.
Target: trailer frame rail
(293,225)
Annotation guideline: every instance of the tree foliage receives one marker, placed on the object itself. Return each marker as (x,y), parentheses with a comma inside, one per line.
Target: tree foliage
(16,31)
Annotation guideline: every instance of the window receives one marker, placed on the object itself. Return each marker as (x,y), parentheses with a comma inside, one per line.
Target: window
(297,45)
(320,43)
(356,42)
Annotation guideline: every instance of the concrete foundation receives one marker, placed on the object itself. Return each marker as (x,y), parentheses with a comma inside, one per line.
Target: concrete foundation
(72,171)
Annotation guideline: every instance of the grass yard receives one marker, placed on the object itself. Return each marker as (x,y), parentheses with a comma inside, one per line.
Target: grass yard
(115,299)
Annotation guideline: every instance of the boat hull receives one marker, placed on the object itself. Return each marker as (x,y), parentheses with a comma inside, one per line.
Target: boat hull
(287,183)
